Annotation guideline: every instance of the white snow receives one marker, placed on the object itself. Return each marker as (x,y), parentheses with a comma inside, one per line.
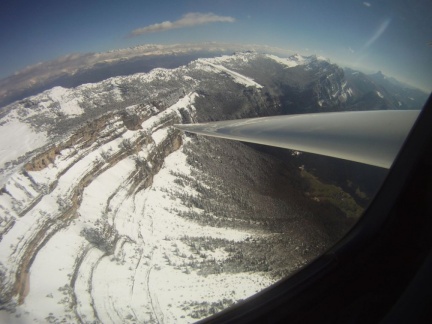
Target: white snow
(135,267)
(160,135)
(295,60)
(136,282)
(51,270)
(239,58)
(67,100)
(285,61)
(18,138)
(237,77)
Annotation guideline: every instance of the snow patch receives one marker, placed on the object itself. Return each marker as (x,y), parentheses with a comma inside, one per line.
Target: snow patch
(67,100)
(285,61)
(237,77)
(379,94)
(18,138)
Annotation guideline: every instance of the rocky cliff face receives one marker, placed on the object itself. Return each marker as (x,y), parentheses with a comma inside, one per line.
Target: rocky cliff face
(109,214)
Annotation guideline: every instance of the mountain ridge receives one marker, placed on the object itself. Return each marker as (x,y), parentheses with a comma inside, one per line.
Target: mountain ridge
(111,187)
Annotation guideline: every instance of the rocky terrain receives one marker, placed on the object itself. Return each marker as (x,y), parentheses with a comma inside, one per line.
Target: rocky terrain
(109,214)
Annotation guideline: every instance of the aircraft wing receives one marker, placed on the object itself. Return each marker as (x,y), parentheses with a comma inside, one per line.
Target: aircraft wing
(371,137)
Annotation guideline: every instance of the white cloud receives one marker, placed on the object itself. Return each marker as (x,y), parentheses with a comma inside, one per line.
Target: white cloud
(351,50)
(367,4)
(188,20)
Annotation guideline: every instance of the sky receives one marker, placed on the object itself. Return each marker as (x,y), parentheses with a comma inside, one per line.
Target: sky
(393,36)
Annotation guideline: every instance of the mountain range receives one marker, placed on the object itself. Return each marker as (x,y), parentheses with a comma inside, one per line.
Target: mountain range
(109,214)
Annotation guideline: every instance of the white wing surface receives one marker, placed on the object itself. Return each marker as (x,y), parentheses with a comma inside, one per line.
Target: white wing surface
(371,137)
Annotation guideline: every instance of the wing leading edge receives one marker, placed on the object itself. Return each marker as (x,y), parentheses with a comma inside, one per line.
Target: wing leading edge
(371,137)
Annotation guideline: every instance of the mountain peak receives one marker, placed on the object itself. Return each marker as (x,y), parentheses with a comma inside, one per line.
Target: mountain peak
(380,75)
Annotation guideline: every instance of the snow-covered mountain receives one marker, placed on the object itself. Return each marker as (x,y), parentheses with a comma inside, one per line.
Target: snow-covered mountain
(75,69)
(109,214)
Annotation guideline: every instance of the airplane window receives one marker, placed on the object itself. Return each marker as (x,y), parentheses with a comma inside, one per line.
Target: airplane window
(109,213)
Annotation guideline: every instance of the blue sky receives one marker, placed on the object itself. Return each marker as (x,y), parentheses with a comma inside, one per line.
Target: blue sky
(387,35)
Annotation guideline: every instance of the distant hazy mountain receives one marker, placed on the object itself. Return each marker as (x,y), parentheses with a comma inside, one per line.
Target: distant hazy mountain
(405,97)
(76,69)
(107,213)
(377,91)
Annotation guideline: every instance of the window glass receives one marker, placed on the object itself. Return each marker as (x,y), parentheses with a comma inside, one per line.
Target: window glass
(108,213)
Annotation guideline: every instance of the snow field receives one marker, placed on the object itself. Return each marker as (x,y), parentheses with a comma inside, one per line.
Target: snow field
(122,274)
(16,139)
(237,77)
